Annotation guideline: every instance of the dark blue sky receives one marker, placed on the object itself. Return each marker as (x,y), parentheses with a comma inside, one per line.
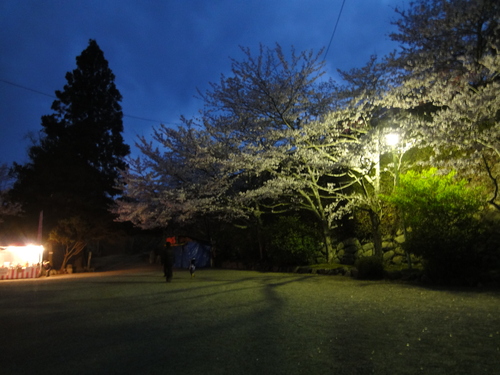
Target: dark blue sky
(162,51)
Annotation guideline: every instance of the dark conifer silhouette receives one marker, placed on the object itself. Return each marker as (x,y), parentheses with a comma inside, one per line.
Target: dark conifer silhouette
(74,165)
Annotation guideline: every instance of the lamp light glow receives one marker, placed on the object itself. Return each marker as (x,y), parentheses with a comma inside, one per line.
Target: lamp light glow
(392,139)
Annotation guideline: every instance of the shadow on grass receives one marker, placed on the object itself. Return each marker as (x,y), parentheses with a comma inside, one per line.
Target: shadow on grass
(244,322)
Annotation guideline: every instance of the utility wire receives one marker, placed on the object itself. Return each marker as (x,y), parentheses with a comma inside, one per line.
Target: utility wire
(144,119)
(27,88)
(52,96)
(335,28)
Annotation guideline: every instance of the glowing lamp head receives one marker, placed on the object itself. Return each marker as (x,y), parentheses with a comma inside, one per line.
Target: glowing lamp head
(392,139)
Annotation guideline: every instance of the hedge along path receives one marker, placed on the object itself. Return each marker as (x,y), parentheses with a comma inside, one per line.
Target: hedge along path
(245,322)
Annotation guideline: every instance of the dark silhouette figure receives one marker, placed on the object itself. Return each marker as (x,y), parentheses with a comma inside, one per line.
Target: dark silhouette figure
(192,267)
(167,259)
(47,267)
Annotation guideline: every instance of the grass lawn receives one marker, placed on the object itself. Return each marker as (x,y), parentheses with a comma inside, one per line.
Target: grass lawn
(244,322)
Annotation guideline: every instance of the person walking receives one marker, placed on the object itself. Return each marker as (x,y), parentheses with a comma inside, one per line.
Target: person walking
(167,259)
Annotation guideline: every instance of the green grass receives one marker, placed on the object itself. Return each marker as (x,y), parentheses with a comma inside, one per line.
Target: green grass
(329,266)
(245,322)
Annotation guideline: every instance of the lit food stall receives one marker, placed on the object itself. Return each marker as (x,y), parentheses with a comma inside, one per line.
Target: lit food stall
(20,262)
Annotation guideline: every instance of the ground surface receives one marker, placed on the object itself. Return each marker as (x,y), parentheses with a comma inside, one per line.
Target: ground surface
(130,321)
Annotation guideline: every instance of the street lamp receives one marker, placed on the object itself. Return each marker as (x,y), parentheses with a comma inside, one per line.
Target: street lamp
(392,140)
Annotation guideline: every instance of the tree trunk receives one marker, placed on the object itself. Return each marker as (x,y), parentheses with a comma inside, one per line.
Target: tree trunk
(70,251)
(330,252)
(377,236)
(65,259)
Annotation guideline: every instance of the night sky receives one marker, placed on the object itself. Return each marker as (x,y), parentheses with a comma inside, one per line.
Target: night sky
(161,52)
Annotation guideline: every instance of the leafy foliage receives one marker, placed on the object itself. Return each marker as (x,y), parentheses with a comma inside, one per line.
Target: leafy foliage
(442,214)
(73,233)
(7,208)
(428,197)
(292,242)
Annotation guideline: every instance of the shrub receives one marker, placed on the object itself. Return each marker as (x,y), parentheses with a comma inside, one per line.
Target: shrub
(292,242)
(442,214)
(370,268)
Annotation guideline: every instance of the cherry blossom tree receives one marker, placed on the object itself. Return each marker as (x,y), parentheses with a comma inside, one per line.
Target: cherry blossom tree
(272,138)
(450,83)
(224,163)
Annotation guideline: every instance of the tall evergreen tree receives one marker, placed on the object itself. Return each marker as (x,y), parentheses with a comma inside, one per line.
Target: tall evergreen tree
(74,166)
(6,207)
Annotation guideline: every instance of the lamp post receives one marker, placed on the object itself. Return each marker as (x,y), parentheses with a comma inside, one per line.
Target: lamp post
(392,140)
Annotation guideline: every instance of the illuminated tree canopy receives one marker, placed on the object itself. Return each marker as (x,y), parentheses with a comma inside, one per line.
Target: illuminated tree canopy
(275,137)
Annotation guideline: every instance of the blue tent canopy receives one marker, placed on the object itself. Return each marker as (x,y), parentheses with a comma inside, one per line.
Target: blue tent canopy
(192,249)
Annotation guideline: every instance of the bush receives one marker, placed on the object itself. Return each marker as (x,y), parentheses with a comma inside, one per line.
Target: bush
(292,242)
(370,268)
(442,213)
